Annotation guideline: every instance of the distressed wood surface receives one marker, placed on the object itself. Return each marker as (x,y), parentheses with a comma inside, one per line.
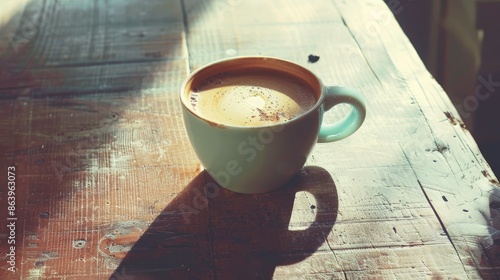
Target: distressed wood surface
(108,186)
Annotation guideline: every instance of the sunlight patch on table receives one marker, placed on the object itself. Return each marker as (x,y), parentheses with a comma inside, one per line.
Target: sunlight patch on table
(303,211)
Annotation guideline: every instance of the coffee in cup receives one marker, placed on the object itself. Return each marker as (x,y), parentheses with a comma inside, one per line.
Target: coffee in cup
(251,97)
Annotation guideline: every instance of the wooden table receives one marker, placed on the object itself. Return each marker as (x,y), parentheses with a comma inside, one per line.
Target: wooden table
(107,185)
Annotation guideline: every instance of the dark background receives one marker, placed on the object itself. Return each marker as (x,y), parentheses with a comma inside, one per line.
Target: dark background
(442,46)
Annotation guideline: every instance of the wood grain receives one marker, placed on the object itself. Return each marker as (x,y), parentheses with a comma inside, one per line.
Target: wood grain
(108,186)
(443,155)
(94,128)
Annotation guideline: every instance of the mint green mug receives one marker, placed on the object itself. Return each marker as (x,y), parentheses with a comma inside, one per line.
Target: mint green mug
(262,150)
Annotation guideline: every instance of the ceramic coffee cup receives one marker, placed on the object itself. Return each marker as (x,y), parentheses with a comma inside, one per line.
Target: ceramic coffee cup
(253,121)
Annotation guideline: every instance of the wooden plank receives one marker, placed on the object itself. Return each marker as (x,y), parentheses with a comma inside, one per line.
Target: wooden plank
(88,166)
(114,46)
(219,29)
(93,170)
(379,199)
(443,155)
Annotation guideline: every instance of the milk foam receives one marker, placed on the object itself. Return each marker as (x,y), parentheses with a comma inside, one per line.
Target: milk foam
(251,98)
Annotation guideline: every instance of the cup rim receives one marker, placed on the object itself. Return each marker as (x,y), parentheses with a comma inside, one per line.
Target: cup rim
(318,86)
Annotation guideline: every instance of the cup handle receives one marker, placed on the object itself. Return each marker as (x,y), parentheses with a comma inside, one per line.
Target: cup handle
(343,128)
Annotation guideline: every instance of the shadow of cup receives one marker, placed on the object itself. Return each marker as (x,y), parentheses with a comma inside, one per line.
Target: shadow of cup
(208,232)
